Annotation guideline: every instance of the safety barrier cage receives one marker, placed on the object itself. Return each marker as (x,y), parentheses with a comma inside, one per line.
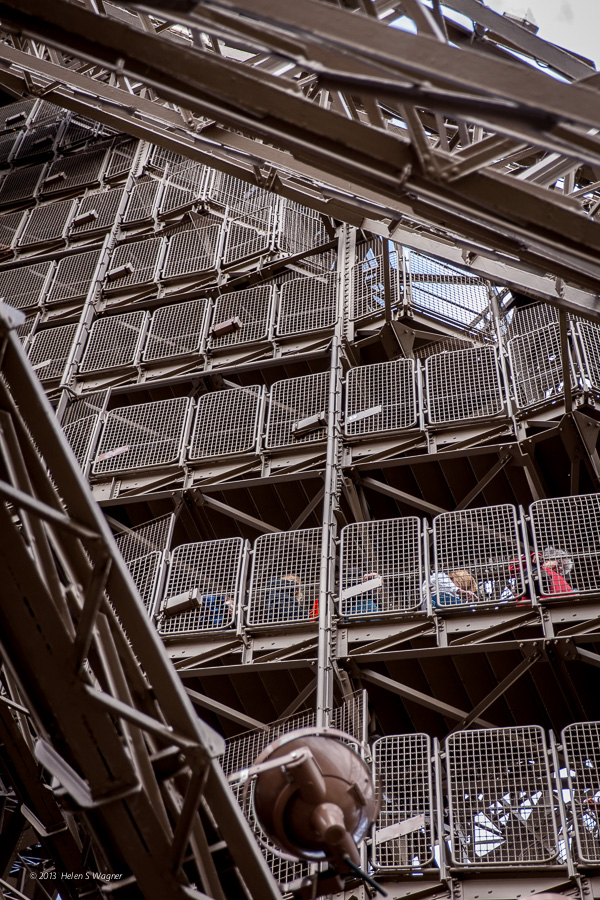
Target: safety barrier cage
(20,186)
(74,277)
(298,411)
(176,330)
(114,342)
(16,115)
(143,549)
(11,225)
(194,252)
(40,140)
(244,242)
(368,281)
(204,587)
(183,185)
(380,398)
(49,351)
(96,212)
(142,202)
(522,320)
(242,317)
(503,805)
(134,265)
(144,436)
(447,293)
(81,425)
(122,155)
(537,367)
(145,571)
(284,584)
(403,835)
(381,567)
(302,229)
(73,172)
(80,130)
(477,558)
(463,385)
(566,540)
(8,145)
(581,748)
(308,304)
(245,202)
(46,223)
(25,287)
(588,338)
(226,423)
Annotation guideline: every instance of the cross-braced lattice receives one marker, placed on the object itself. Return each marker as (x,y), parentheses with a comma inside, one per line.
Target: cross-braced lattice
(463,385)
(581,745)
(298,410)
(380,398)
(226,422)
(176,330)
(308,304)
(50,349)
(566,537)
(251,307)
(114,341)
(284,586)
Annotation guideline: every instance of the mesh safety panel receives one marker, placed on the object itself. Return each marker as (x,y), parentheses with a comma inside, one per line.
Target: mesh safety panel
(502,804)
(448,293)
(183,184)
(22,109)
(214,569)
(142,201)
(145,571)
(49,350)
(526,319)
(381,568)
(47,110)
(140,259)
(292,403)
(38,140)
(301,228)
(442,346)
(121,157)
(463,384)
(79,435)
(381,398)
(74,276)
(176,330)
(148,434)
(368,288)
(20,185)
(24,287)
(191,252)
(145,538)
(246,202)
(6,146)
(78,170)
(226,422)
(103,204)
(78,131)
(477,556)
(46,223)
(307,304)
(403,831)
(24,330)
(285,577)
(9,225)
(253,309)
(566,535)
(113,341)
(589,337)
(581,744)
(536,365)
(244,241)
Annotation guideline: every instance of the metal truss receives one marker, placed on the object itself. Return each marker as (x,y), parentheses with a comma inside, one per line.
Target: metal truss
(97,703)
(471,150)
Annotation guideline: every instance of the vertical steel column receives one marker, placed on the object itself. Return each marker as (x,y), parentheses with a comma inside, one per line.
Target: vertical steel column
(333,485)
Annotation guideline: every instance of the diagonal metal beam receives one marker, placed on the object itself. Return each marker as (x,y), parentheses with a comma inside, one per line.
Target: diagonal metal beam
(222,710)
(402,496)
(498,691)
(484,481)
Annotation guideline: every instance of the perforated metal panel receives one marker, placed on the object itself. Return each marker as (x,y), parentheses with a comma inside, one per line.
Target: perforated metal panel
(477,556)
(403,836)
(47,222)
(176,330)
(525,319)
(589,339)
(114,341)
(307,304)
(24,287)
(214,569)
(368,286)
(79,434)
(20,184)
(49,351)
(184,182)
(226,422)
(284,586)
(142,436)
(191,252)
(449,293)
(463,384)
(581,745)
(292,402)
(104,204)
(381,567)
(74,277)
(566,535)
(502,803)
(121,157)
(39,139)
(142,258)
(243,242)
(380,398)
(145,571)
(536,366)
(252,308)
(142,201)
(80,169)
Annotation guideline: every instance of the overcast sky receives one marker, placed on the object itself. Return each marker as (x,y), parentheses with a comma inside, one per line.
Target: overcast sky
(573,24)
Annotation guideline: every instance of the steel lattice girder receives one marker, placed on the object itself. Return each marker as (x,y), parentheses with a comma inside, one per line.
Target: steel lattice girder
(467,194)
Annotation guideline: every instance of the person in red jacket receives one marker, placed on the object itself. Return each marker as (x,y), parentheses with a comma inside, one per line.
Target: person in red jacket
(555,566)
